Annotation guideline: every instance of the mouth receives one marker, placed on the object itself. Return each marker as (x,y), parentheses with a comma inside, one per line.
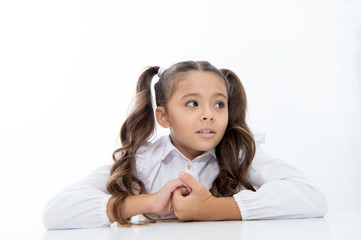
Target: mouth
(206,132)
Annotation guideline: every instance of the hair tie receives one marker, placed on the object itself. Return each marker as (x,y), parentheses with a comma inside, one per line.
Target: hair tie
(161,71)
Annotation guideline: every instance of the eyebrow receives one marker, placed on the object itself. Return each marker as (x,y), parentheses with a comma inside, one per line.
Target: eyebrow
(198,95)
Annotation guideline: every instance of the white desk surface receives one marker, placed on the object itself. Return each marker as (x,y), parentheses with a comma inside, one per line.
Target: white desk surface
(333,226)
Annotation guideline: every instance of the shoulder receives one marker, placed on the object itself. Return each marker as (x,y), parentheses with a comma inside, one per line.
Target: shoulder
(265,166)
(151,148)
(261,160)
(259,139)
(150,154)
(261,157)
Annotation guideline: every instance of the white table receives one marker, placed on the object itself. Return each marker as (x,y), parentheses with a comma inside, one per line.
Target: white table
(333,226)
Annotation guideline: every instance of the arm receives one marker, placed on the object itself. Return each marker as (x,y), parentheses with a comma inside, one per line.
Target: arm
(132,206)
(80,205)
(282,192)
(86,204)
(158,203)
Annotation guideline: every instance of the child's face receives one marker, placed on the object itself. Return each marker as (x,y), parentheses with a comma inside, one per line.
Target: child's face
(197,113)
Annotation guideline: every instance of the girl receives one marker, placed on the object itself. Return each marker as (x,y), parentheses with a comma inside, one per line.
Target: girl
(210,167)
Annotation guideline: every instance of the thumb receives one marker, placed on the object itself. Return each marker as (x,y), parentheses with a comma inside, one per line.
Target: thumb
(190,181)
(177,193)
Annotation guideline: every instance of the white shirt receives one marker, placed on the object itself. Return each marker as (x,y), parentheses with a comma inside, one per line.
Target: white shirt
(282,191)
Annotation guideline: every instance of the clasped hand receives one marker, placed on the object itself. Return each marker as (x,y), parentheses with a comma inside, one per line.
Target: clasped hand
(185,197)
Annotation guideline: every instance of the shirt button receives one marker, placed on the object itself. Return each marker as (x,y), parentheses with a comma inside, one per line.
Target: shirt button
(189,166)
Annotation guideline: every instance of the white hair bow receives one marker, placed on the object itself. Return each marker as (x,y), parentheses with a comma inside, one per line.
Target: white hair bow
(161,71)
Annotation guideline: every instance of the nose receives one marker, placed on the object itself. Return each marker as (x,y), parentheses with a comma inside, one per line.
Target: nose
(206,118)
(207,115)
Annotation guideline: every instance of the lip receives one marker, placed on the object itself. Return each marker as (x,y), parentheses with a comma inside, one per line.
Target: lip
(206,132)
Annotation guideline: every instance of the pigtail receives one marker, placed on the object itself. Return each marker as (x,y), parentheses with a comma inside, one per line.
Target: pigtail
(135,132)
(233,176)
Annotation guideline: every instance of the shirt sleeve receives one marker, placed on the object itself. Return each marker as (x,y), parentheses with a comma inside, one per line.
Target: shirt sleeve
(282,192)
(80,205)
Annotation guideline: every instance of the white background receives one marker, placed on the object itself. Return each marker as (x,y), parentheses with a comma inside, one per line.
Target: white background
(68,71)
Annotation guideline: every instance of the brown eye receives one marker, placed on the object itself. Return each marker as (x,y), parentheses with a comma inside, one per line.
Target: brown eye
(219,105)
(192,104)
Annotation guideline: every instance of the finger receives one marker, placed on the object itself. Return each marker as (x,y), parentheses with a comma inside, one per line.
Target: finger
(190,180)
(189,190)
(184,191)
(183,184)
(174,184)
(177,194)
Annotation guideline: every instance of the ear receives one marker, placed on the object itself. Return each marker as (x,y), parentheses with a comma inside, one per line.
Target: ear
(161,117)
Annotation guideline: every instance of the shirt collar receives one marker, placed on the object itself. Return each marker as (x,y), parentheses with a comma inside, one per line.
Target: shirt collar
(213,152)
(169,147)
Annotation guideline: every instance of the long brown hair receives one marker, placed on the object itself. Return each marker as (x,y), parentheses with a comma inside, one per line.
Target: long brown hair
(138,128)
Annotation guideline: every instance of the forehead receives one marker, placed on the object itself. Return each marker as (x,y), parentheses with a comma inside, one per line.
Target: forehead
(201,81)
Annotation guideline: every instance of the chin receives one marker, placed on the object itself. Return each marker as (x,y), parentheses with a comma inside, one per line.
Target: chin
(206,148)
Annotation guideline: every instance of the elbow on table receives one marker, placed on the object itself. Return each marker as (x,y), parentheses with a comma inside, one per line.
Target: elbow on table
(58,213)
(49,221)
(69,210)
(315,203)
(321,205)
(52,218)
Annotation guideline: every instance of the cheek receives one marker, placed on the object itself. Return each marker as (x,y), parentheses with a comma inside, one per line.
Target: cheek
(223,118)
(183,124)
(178,120)
(225,123)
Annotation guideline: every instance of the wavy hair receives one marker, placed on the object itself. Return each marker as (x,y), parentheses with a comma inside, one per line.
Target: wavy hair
(139,127)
